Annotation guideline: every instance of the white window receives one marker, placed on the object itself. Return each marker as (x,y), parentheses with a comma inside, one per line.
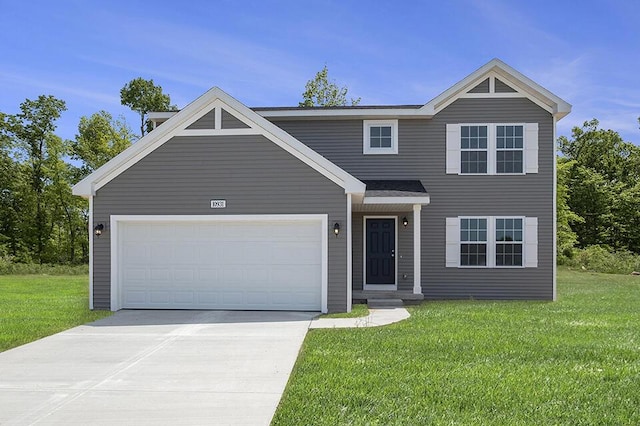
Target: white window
(473,149)
(492,149)
(473,242)
(380,137)
(509,149)
(492,242)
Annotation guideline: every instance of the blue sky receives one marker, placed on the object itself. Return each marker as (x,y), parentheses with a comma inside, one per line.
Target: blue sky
(263,52)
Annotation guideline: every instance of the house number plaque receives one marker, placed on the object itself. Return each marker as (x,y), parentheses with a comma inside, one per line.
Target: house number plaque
(218,204)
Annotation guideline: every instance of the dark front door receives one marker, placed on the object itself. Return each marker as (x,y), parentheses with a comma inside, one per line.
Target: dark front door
(381,251)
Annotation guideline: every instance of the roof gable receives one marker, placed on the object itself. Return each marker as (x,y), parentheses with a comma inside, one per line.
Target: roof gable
(215,113)
(504,82)
(495,79)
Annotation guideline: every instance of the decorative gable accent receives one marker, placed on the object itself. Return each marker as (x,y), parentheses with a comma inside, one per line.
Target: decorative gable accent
(504,82)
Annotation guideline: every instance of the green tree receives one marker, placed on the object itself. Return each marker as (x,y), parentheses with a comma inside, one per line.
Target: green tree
(602,184)
(320,91)
(31,131)
(566,237)
(99,139)
(142,96)
(68,213)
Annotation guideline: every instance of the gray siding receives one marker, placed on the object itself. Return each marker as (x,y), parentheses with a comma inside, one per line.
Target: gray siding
(481,88)
(231,122)
(421,155)
(255,177)
(502,87)
(207,121)
(404,250)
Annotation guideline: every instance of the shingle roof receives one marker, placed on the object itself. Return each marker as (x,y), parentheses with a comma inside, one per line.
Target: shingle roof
(394,188)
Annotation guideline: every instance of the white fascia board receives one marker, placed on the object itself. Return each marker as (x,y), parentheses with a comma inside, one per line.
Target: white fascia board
(350,112)
(397,200)
(533,90)
(161,115)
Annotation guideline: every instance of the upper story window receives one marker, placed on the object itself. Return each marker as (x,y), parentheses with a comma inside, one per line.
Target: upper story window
(380,137)
(509,149)
(492,149)
(473,149)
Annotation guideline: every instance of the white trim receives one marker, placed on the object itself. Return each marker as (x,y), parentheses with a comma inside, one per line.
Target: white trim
(218,132)
(115,272)
(417,245)
(367,149)
(492,84)
(532,147)
(345,112)
(349,255)
(386,287)
(212,99)
(217,123)
(530,242)
(161,115)
(496,95)
(453,160)
(116,281)
(91,237)
(555,214)
(397,200)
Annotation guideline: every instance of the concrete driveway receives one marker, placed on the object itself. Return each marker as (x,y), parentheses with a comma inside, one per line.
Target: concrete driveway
(155,367)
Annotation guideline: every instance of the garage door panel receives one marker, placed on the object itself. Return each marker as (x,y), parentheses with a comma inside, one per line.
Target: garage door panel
(161,274)
(184,254)
(183,275)
(159,253)
(260,265)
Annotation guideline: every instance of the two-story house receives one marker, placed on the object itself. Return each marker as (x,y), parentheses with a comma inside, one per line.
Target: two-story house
(223,206)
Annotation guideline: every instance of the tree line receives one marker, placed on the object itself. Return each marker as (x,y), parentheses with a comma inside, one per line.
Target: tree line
(598,191)
(40,220)
(598,175)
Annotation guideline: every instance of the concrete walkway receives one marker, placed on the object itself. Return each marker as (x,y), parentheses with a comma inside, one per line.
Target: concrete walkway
(376,317)
(155,368)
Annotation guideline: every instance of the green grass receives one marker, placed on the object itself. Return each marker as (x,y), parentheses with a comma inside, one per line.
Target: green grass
(571,362)
(35,306)
(357,311)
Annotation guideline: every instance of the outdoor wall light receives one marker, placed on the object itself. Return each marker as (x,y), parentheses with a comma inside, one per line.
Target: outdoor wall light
(336,228)
(405,221)
(98,229)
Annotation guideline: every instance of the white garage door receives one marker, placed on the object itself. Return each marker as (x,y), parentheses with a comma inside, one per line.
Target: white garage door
(248,264)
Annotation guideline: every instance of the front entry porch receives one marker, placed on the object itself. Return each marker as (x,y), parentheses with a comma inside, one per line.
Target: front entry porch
(386,241)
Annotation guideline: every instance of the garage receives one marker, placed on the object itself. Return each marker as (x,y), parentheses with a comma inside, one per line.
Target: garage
(256,262)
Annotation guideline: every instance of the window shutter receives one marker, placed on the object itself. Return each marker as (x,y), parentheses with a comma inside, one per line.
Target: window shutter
(531,242)
(531,147)
(453,148)
(453,242)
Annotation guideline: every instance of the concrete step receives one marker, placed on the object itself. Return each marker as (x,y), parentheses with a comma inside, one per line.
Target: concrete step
(384,303)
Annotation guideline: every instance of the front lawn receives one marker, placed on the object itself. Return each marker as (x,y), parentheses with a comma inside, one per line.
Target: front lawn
(575,361)
(35,306)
